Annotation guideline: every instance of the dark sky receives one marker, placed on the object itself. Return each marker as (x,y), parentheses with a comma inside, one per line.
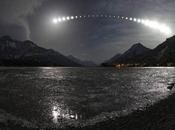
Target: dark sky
(91,39)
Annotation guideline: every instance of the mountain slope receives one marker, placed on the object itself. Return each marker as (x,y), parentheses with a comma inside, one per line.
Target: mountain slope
(82,62)
(111,61)
(132,55)
(162,55)
(18,53)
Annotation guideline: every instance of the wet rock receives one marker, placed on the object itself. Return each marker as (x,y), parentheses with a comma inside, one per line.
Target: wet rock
(171,86)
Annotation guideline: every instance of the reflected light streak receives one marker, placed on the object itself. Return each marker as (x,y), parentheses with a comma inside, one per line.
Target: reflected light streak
(63,113)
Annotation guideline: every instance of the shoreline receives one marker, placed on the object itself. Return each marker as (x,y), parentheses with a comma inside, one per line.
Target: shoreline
(160,115)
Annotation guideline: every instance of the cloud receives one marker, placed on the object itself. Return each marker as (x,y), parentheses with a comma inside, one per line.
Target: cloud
(15,11)
(16,31)
(86,39)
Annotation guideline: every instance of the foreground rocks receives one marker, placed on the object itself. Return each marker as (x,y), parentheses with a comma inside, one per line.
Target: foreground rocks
(160,116)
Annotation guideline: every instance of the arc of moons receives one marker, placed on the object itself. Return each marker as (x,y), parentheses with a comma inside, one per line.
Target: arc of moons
(161,27)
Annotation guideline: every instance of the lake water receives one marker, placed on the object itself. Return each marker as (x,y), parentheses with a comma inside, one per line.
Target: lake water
(60,96)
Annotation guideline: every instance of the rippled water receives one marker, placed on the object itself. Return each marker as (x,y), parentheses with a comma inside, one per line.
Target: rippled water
(47,96)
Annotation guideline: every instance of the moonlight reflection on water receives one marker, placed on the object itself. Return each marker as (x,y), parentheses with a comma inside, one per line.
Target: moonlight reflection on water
(59,113)
(54,95)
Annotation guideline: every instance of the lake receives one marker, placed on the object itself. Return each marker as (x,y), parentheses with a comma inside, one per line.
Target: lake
(49,96)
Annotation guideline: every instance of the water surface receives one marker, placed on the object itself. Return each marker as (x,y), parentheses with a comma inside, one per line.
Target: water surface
(48,96)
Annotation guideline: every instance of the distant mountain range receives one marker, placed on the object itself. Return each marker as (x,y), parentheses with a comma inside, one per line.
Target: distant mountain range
(139,55)
(27,53)
(84,63)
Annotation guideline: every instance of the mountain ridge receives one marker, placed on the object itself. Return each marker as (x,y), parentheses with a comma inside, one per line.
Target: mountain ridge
(27,53)
(139,55)
(85,63)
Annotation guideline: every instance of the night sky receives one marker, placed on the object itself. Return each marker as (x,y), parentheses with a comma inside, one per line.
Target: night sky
(89,39)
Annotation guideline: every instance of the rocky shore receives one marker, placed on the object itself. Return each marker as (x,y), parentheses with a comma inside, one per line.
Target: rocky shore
(160,116)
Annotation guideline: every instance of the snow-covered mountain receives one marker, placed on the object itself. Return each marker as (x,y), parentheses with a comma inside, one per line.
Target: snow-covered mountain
(27,53)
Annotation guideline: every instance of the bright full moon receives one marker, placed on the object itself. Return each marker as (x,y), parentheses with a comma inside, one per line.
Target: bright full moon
(161,27)
(55,20)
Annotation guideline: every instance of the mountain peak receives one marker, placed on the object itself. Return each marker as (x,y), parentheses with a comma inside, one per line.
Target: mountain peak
(132,55)
(139,55)
(27,53)
(137,48)
(6,37)
(170,43)
(138,45)
(173,37)
(30,43)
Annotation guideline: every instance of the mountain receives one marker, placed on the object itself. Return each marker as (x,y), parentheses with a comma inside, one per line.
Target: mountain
(27,53)
(84,63)
(164,53)
(138,55)
(132,55)
(110,61)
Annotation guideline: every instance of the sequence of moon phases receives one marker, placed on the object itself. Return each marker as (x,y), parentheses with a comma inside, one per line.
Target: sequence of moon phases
(161,27)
